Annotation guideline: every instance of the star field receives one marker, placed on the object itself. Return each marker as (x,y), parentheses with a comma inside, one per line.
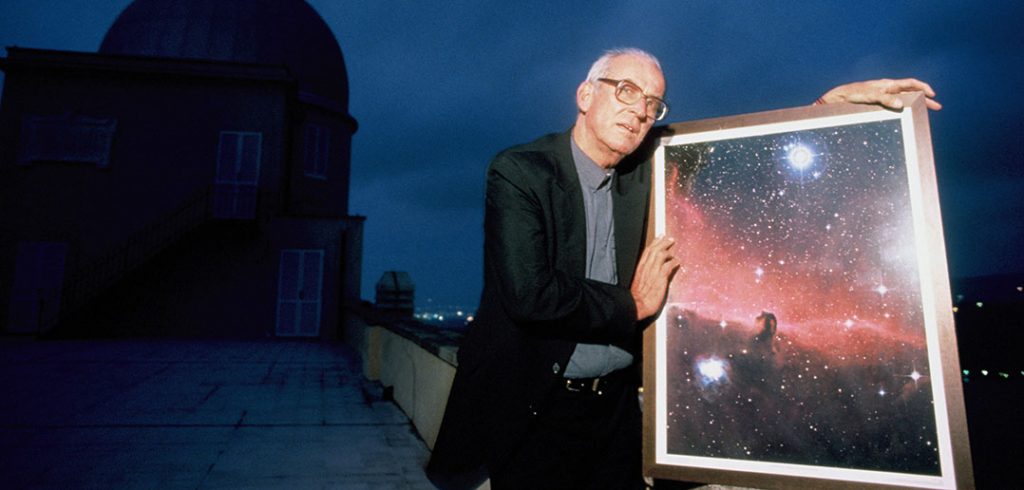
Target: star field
(815,227)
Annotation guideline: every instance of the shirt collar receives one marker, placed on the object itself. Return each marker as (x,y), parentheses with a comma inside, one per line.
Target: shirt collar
(592,176)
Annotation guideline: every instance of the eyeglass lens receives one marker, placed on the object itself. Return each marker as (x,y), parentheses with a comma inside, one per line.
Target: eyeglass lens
(628,93)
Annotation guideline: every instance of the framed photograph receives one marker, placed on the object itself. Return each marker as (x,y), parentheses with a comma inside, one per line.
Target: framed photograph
(808,338)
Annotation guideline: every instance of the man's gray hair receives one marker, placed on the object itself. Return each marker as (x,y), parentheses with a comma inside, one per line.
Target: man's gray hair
(600,67)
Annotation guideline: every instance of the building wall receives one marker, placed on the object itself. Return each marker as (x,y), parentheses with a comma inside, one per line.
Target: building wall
(164,149)
(222,282)
(329,235)
(218,282)
(327,196)
(220,279)
(353,255)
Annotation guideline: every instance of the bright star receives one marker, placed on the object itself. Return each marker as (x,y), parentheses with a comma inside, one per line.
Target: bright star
(800,157)
(711,369)
(915,375)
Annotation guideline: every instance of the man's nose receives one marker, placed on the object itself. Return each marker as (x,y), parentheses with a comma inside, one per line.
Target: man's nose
(639,108)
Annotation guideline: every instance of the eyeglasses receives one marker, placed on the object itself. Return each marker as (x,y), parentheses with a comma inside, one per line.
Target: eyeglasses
(629,93)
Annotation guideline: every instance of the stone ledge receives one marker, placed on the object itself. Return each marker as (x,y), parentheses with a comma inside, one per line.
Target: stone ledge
(414,360)
(442,342)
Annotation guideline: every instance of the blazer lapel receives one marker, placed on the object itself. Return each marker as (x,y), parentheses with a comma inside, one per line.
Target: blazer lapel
(631,194)
(571,224)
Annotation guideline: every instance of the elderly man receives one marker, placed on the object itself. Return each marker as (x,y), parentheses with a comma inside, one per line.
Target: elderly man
(545,395)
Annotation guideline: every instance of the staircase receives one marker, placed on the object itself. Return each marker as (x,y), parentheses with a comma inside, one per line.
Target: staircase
(89,281)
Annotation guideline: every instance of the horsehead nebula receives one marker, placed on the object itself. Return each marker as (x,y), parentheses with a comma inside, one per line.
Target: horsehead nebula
(812,229)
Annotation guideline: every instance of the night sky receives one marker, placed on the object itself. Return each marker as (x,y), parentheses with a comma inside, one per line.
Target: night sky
(439,89)
(815,227)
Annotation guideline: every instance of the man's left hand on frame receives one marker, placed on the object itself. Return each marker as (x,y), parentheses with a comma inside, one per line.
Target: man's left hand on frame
(884,92)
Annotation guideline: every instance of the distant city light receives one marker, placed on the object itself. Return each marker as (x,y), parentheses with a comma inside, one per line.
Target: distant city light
(1008,375)
(979,304)
(445,316)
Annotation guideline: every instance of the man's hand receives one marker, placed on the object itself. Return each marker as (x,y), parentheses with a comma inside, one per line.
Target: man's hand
(653,275)
(881,92)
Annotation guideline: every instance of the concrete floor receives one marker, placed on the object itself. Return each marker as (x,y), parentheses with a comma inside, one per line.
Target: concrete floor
(198,415)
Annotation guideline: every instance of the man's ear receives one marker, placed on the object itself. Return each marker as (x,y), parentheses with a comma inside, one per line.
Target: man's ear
(584,96)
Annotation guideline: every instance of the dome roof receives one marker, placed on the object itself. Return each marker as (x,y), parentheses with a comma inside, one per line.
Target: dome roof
(279,32)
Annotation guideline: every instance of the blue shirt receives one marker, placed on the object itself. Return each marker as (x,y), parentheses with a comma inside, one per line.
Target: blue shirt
(592,360)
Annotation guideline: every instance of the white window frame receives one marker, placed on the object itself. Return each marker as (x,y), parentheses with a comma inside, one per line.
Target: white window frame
(316,151)
(235,195)
(70,138)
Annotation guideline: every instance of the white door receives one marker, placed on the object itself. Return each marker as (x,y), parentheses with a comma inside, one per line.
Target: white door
(299,291)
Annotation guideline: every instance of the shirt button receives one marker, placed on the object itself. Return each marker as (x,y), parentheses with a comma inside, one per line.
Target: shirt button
(555,368)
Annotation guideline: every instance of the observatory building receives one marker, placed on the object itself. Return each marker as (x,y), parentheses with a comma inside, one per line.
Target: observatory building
(189,178)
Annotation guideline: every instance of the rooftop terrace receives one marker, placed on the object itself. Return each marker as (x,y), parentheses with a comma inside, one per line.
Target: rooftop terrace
(198,415)
(212,414)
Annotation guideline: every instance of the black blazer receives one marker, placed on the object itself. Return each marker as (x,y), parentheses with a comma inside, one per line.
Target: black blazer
(536,303)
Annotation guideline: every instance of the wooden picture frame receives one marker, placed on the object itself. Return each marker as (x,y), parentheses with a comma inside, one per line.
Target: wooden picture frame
(808,338)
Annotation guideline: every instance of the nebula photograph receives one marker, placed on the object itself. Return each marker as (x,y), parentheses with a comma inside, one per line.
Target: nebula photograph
(794,332)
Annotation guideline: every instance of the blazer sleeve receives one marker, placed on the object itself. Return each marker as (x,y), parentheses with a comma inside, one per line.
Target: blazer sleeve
(522,248)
